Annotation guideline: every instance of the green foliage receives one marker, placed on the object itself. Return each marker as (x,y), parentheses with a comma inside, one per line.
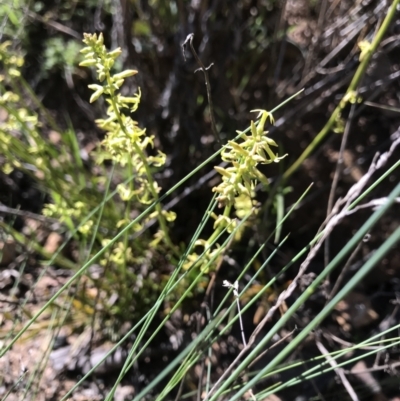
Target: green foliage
(90,214)
(12,11)
(126,145)
(122,271)
(59,53)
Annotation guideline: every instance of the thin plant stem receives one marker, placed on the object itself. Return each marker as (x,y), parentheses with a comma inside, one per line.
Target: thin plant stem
(189,39)
(338,171)
(351,89)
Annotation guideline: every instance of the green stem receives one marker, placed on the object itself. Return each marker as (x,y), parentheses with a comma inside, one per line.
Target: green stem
(352,88)
(149,175)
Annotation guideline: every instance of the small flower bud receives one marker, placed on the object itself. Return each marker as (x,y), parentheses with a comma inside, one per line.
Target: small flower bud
(88,62)
(96,95)
(100,40)
(125,74)
(115,53)
(222,171)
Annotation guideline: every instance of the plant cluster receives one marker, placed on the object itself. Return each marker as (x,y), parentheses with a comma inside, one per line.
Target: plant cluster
(124,272)
(85,204)
(239,182)
(125,143)
(242,177)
